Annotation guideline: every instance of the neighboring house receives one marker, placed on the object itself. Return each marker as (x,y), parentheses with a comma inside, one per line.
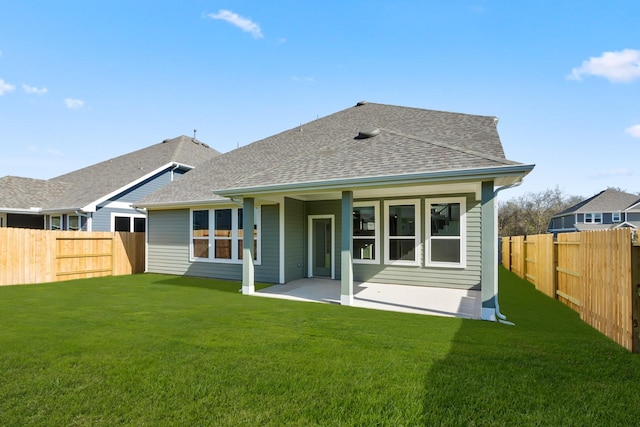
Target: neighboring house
(608,209)
(374,193)
(99,197)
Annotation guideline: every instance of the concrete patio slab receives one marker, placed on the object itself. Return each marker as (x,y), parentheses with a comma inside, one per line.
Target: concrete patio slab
(402,298)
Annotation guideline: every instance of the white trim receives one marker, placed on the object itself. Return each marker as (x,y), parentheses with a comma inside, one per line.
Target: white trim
(310,219)
(117,205)
(613,218)
(131,216)
(462,238)
(3,220)
(376,236)
(235,259)
(417,236)
(91,207)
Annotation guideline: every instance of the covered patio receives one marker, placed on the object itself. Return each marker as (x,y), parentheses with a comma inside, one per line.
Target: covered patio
(466,304)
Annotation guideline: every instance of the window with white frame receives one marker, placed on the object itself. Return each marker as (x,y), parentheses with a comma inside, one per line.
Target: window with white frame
(402,232)
(217,234)
(616,217)
(593,218)
(446,232)
(135,223)
(73,222)
(55,222)
(366,248)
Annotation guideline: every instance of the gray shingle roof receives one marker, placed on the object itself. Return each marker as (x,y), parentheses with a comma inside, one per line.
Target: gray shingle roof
(609,200)
(411,140)
(25,193)
(81,187)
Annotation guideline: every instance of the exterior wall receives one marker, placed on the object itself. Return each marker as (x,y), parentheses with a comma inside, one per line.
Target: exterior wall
(329,207)
(169,239)
(467,278)
(295,242)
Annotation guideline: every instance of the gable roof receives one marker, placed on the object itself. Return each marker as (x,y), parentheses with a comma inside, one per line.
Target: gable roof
(608,200)
(408,141)
(85,186)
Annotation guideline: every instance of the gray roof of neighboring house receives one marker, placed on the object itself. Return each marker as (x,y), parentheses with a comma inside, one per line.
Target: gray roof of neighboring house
(609,200)
(25,193)
(84,186)
(410,140)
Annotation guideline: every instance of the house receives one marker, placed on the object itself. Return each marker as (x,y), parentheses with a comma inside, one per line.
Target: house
(375,193)
(99,197)
(608,209)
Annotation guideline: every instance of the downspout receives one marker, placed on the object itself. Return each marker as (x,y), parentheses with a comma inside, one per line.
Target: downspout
(175,166)
(85,215)
(501,317)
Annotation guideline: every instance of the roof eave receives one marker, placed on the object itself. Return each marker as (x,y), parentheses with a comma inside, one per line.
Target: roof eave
(510,173)
(181,204)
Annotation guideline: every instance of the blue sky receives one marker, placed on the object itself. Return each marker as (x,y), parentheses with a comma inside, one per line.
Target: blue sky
(84,81)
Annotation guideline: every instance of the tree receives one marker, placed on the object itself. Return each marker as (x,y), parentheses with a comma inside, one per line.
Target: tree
(530,213)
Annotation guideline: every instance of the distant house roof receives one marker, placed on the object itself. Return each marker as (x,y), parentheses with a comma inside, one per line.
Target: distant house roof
(609,200)
(84,186)
(22,194)
(368,141)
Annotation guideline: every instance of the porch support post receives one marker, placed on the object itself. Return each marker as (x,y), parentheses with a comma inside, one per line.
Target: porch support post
(248,287)
(346,271)
(489,232)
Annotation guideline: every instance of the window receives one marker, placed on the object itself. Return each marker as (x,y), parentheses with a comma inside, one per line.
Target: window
(128,223)
(366,248)
(616,217)
(224,244)
(593,218)
(402,232)
(56,222)
(446,233)
(73,222)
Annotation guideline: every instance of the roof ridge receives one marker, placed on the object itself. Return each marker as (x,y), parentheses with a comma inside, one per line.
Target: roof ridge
(452,147)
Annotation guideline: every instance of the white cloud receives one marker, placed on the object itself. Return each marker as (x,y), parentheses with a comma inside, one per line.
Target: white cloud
(5,87)
(73,103)
(634,131)
(612,173)
(34,90)
(622,66)
(303,79)
(243,23)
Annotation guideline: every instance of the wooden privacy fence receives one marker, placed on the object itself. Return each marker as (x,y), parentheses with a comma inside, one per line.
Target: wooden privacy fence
(596,273)
(38,256)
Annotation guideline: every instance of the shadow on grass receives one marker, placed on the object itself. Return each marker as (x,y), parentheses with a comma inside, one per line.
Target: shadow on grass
(549,369)
(230,286)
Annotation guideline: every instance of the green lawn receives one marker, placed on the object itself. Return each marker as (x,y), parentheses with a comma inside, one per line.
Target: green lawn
(161,350)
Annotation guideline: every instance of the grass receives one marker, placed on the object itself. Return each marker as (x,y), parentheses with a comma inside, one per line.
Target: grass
(164,350)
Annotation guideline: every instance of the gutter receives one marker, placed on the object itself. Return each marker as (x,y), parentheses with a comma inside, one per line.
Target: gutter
(515,171)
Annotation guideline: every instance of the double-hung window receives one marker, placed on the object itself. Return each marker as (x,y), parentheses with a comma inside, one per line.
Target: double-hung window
(402,232)
(616,217)
(217,234)
(366,248)
(446,233)
(593,218)
(56,222)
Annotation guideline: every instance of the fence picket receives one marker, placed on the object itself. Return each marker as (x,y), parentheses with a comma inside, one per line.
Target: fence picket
(591,272)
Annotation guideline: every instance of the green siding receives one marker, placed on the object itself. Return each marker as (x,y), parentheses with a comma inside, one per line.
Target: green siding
(168,249)
(468,278)
(295,265)
(328,207)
